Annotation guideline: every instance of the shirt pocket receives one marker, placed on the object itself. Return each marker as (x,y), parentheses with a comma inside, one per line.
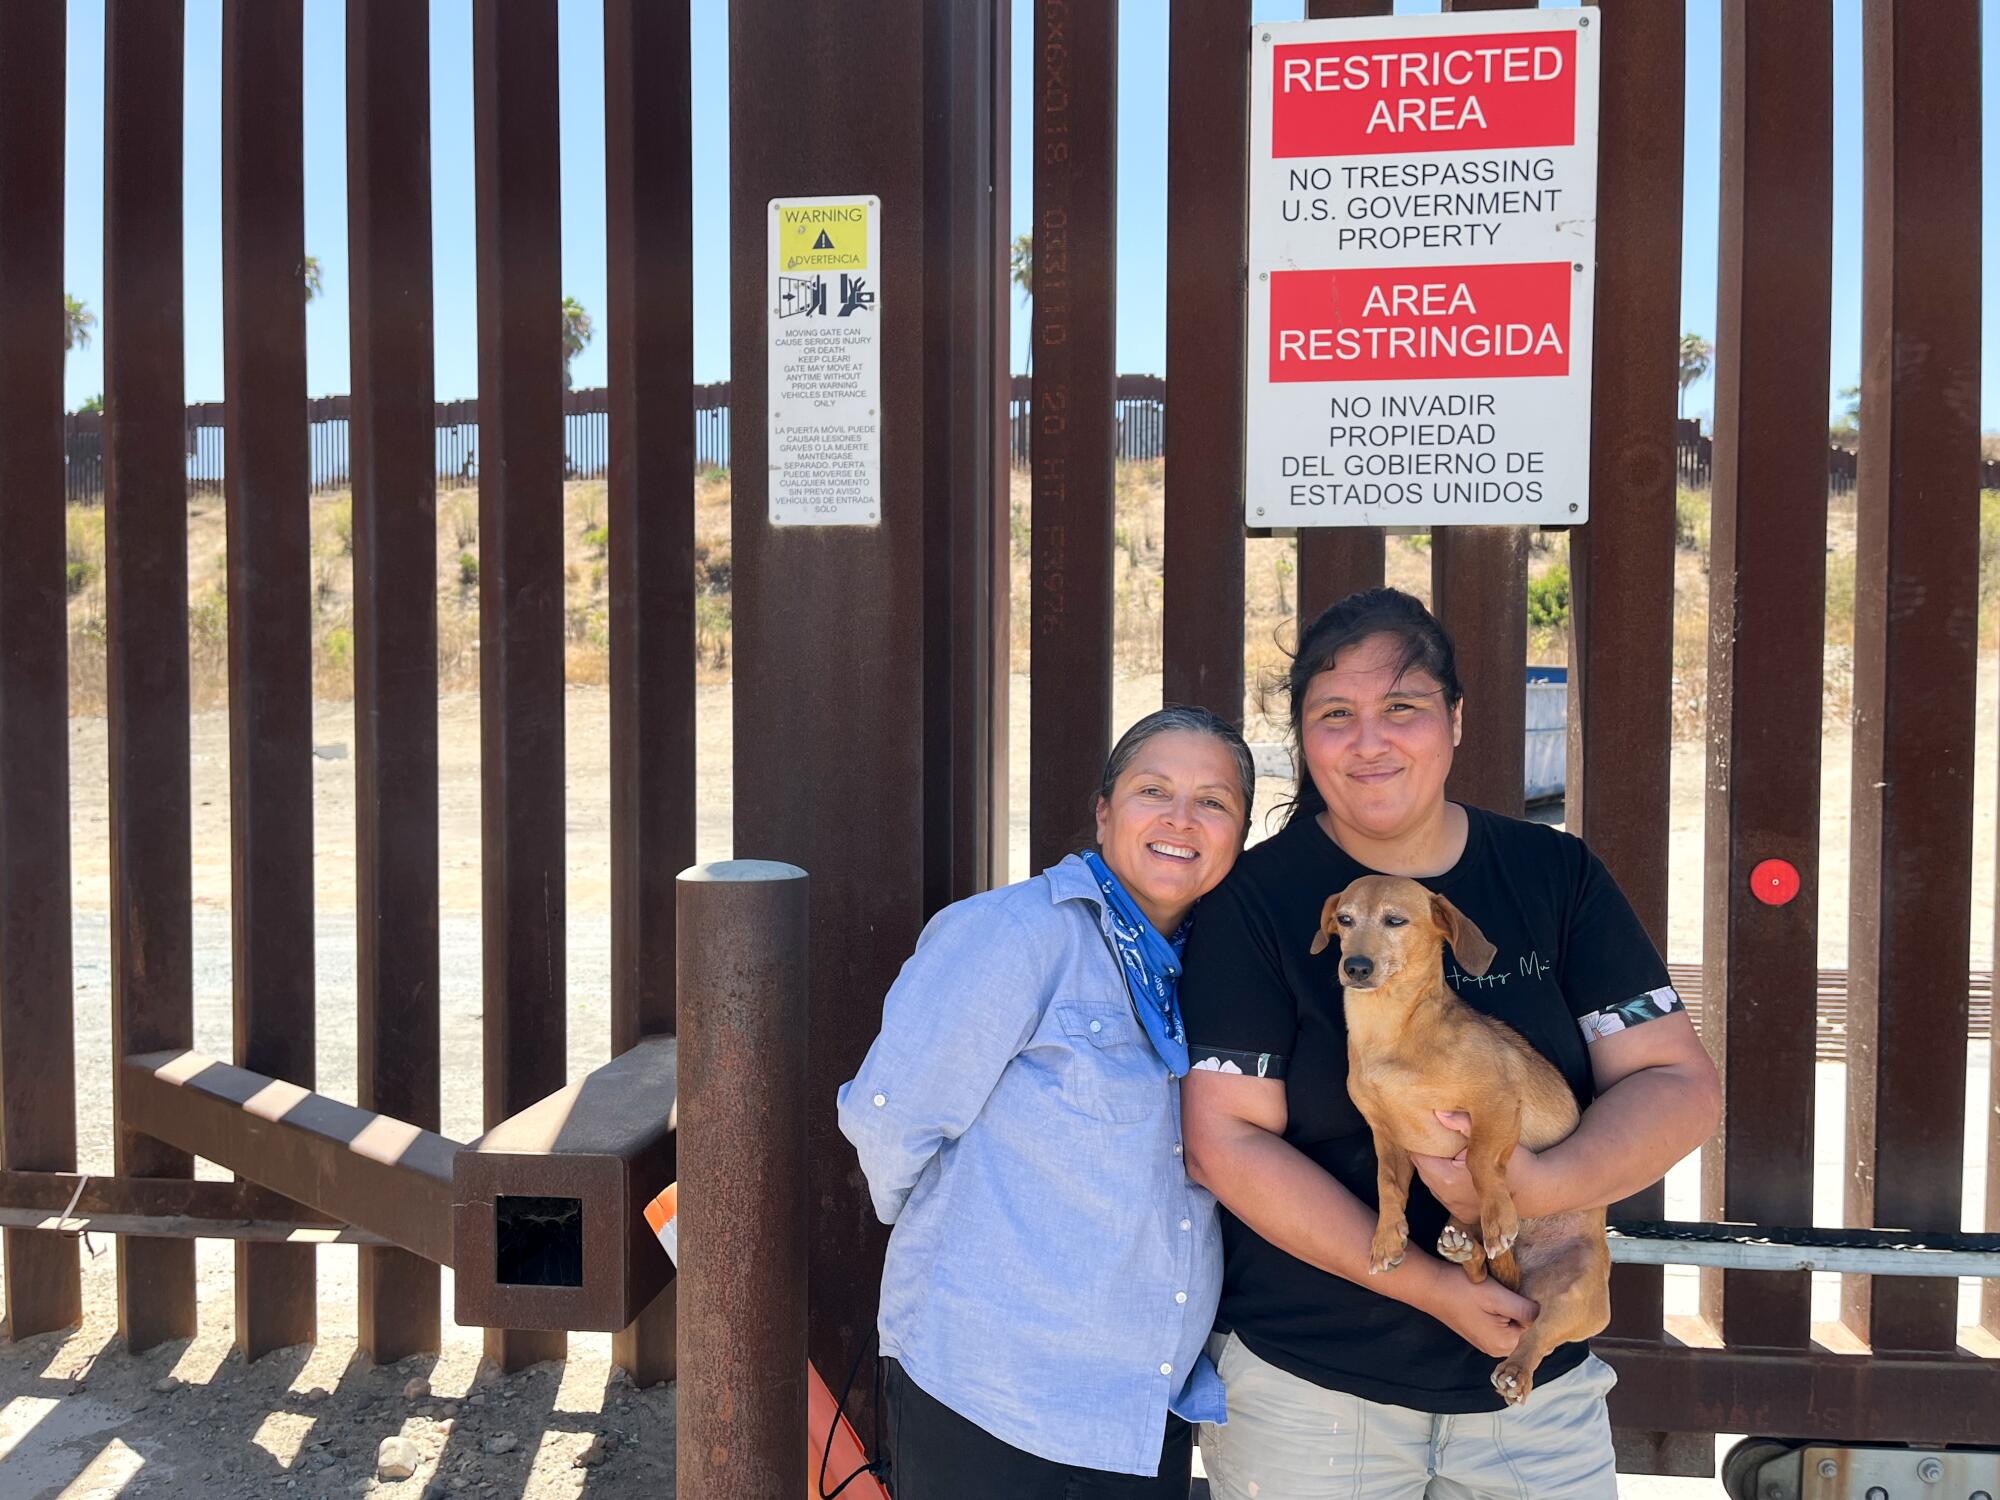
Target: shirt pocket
(1114,1073)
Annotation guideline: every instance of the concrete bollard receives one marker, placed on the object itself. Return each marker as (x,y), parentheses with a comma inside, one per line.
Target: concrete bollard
(741,1344)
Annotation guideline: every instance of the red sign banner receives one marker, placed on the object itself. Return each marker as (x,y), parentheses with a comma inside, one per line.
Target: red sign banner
(1421,322)
(1458,93)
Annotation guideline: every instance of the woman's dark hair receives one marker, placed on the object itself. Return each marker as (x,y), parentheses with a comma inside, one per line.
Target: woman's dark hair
(1186,717)
(1426,648)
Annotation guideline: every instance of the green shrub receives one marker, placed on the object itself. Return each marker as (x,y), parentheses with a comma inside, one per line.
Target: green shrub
(81,576)
(712,629)
(1989,545)
(1840,596)
(468,570)
(208,619)
(598,537)
(464,518)
(341,514)
(1691,520)
(339,648)
(1548,599)
(83,535)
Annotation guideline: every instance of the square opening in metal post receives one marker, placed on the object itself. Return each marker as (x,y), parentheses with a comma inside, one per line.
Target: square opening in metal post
(537,1241)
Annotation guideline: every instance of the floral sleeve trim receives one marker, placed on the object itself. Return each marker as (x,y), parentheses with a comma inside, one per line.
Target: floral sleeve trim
(1249,1064)
(1626,1014)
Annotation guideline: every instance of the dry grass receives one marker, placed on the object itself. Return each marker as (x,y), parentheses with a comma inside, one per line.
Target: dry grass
(1691,622)
(1270,585)
(586,592)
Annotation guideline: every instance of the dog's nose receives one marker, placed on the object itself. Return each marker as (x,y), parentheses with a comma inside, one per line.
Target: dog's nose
(1357,968)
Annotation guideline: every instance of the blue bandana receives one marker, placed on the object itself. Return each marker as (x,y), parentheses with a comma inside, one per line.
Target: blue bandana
(1152,966)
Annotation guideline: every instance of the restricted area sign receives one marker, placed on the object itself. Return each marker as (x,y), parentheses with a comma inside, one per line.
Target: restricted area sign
(824,379)
(1423,232)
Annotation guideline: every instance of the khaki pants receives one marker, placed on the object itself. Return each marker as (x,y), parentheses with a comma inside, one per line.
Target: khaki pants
(1288,1439)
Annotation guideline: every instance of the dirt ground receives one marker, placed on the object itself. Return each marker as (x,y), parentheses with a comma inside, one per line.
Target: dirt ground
(81,1418)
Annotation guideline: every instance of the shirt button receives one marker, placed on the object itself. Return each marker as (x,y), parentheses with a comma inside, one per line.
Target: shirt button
(1096,1025)
(1180,1296)
(1166,1369)
(880,1100)
(1177,1148)
(1187,1224)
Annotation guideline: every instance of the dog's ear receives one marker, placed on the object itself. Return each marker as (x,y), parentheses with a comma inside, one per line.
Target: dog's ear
(1468,943)
(1325,933)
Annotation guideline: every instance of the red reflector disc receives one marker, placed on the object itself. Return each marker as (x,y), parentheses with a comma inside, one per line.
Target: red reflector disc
(1774,882)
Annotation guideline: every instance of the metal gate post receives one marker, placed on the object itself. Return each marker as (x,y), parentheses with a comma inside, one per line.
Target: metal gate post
(742,1159)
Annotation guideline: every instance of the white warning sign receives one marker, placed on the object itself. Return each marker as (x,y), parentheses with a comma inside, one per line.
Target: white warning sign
(824,377)
(1423,229)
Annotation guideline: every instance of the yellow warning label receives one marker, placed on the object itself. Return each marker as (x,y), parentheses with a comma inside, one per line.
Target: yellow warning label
(823,237)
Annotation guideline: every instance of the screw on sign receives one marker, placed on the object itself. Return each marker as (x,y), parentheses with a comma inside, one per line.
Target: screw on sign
(1775,881)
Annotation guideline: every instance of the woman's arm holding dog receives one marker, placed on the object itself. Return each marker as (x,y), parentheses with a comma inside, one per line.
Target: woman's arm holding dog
(1233,1131)
(1658,1099)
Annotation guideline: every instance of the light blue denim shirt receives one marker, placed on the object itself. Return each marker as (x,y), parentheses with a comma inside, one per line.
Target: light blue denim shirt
(1053,1273)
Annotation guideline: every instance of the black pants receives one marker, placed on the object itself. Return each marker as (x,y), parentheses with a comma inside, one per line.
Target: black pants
(935,1454)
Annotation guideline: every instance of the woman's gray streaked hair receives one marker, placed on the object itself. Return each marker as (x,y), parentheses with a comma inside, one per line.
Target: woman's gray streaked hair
(1185,717)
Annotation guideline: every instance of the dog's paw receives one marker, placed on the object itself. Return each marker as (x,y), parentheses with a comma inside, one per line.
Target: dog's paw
(1385,1251)
(1499,1230)
(1456,1246)
(1512,1382)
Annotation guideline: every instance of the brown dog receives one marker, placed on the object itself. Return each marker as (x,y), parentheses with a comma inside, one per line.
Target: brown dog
(1414,1047)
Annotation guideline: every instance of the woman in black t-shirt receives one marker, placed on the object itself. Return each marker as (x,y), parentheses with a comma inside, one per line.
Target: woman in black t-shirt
(1343,1383)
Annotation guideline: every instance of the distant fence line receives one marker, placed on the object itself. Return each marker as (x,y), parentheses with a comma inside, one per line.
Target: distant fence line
(1694,453)
(586,441)
(1142,429)
(1141,402)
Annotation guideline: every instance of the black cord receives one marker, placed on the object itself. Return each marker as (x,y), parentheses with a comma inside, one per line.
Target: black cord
(874,1466)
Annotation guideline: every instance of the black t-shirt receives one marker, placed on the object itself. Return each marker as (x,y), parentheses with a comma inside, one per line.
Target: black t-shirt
(1569,952)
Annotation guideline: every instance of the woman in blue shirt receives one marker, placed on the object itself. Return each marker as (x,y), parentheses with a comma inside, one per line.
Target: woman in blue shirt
(1052,1273)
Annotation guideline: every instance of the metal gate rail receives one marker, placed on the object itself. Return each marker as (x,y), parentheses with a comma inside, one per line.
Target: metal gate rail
(1751,1247)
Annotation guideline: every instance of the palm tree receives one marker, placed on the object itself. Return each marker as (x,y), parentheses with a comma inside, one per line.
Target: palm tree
(1697,354)
(1021,269)
(1845,430)
(309,274)
(78,320)
(577,333)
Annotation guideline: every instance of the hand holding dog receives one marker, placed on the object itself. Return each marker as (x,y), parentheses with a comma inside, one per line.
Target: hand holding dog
(1450,1182)
(1485,1314)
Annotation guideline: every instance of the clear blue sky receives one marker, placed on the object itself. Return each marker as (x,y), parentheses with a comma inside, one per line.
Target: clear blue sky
(1142,218)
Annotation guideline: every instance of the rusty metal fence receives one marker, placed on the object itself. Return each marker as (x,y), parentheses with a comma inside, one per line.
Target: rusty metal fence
(913,747)
(414,1200)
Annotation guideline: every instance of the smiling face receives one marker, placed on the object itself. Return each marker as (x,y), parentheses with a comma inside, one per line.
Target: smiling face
(1378,742)
(1173,824)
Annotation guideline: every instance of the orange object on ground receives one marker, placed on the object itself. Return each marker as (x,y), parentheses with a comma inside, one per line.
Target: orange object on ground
(822,1411)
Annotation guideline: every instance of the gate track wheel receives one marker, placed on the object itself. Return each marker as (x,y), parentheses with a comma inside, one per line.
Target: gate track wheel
(1744,1462)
